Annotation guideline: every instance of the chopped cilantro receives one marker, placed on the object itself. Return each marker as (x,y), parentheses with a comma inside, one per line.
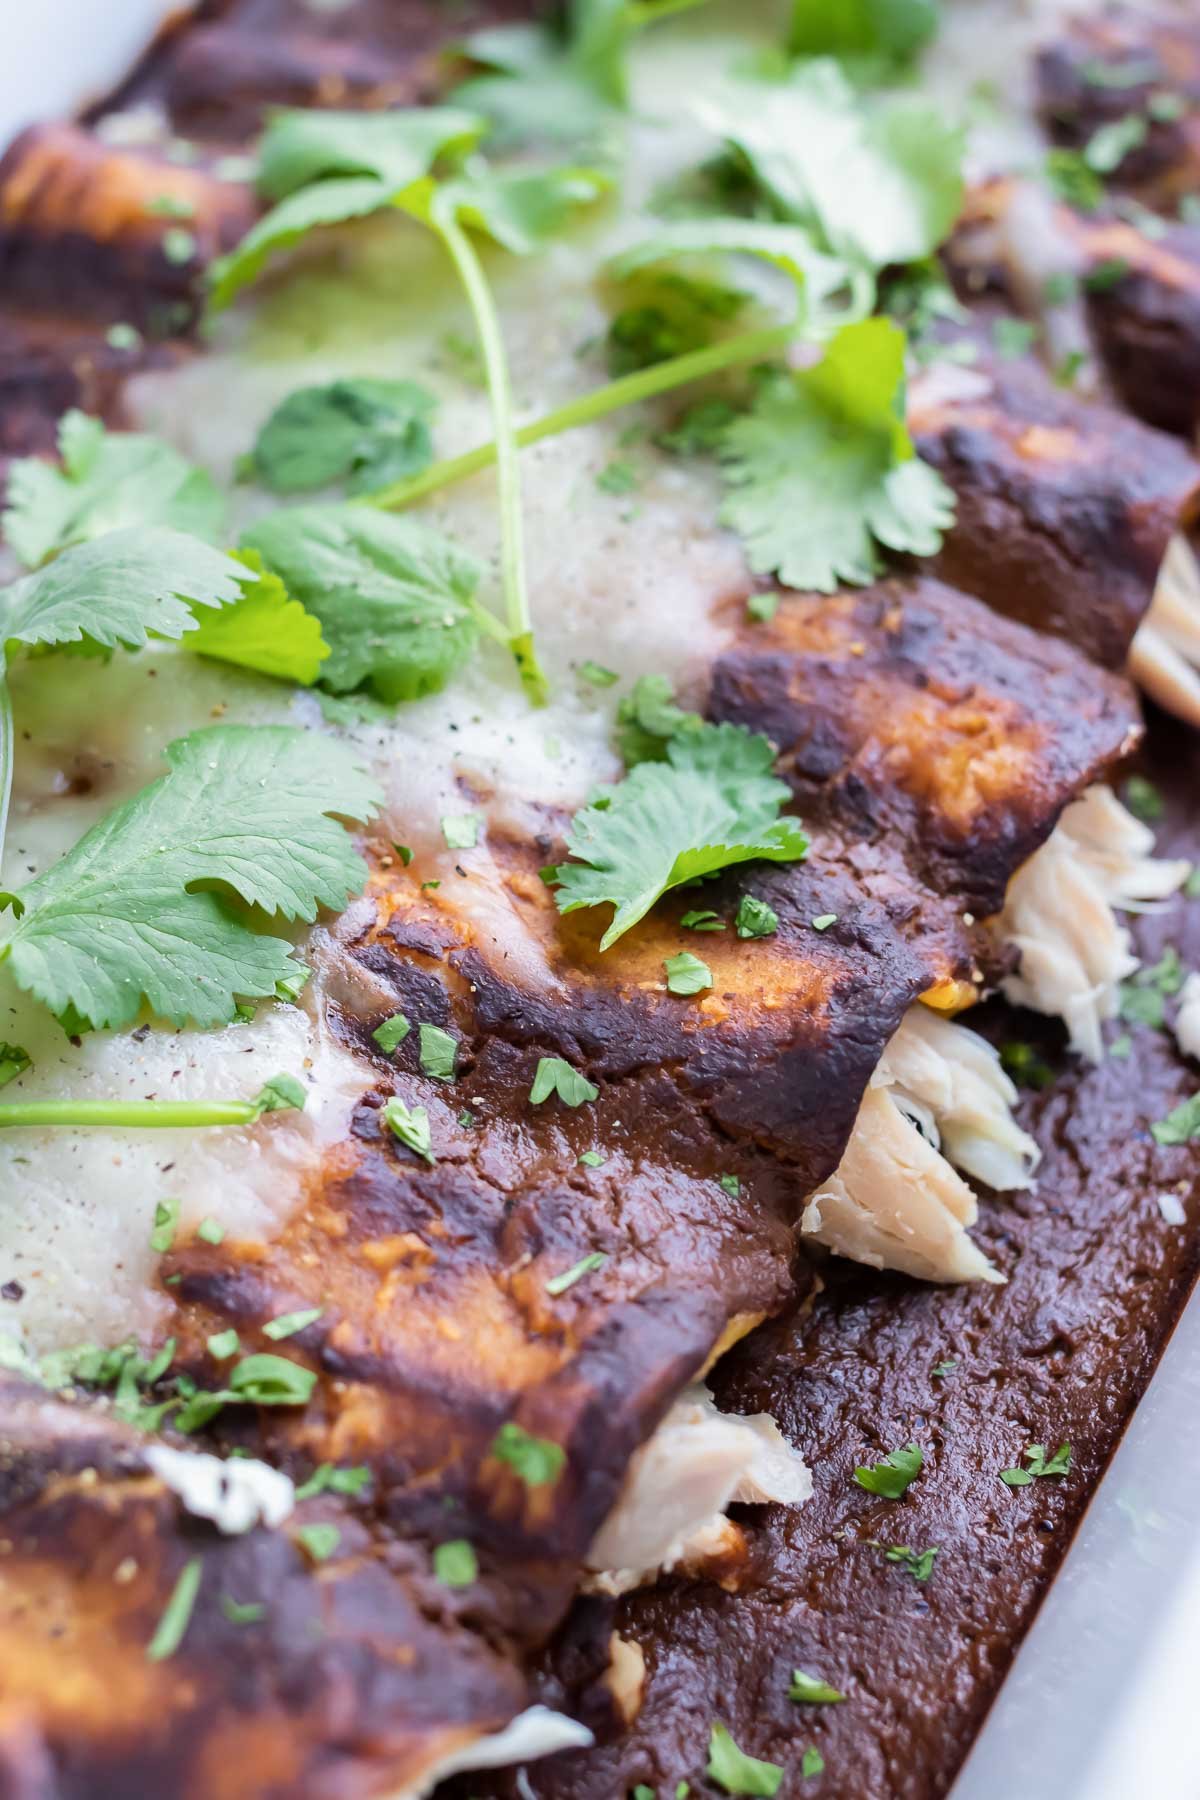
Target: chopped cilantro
(1144,800)
(392,1032)
(730,1183)
(892,29)
(700,428)
(554,1076)
(1013,337)
(130,912)
(288,1324)
(1181,1124)
(266,630)
(702,921)
(762,607)
(1073,180)
(585,1266)
(166,1222)
(754,918)
(1121,1046)
(327,1478)
(812,1690)
(1108,147)
(410,1125)
(319,1539)
(223,1344)
(1191,886)
(1038,1465)
(737,1773)
(455,1563)
(686,974)
(177,1614)
(171,206)
(917,1563)
(178,244)
(944,1368)
(592,1159)
(404,852)
(890,1477)
(123,336)
(242,1612)
(597,674)
(537,1461)
(822,469)
(617,478)
(364,432)
(467,1119)
(812,1763)
(283,1093)
(268,1380)
(712,804)
(460,830)
(1106,275)
(438,1052)
(823,921)
(209,1231)
(13,1062)
(1067,369)
(1143,998)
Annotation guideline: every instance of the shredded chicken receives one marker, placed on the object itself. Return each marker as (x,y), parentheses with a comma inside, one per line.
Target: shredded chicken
(938,1102)
(1164,657)
(625,1677)
(679,1484)
(1059,913)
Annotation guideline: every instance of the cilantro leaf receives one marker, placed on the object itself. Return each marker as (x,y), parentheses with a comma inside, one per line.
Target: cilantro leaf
(392,1033)
(891,1476)
(1038,1465)
(736,1772)
(822,468)
(877,185)
(364,432)
(917,1563)
(393,596)
(327,167)
(438,1052)
(818,279)
(122,917)
(687,974)
(266,630)
(553,82)
(521,209)
(537,1461)
(647,718)
(14,1060)
(585,1266)
(119,590)
(893,29)
(108,480)
(754,918)
(812,1690)
(1181,1124)
(410,1125)
(713,803)
(554,1076)
(455,1563)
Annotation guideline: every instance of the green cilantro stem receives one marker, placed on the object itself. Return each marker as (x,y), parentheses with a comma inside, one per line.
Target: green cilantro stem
(6,754)
(173,1114)
(645,384)
(512,528)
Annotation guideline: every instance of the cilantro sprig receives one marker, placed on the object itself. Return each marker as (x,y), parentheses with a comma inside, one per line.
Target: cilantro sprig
(323,168)
(148,906)
(283,1093)
(713,803)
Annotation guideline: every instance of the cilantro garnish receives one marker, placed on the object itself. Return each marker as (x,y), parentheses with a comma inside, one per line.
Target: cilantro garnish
(737,1773)
(209,1231)
(1108,146)
(391,1033)
(554,1076)
(1013,337)
(108,480)
(754,918)
(1034,1455)
(558,1284)
(891,29)
(617,478)
(730,1184)
(917,1563)
(437,1053)
(122,919)
(460,830)
(394,598)
(267,630)
(647,718)
(455,1563)
(223,1344)
(1181,1124)
(876,185)
(320,1539)
(811,1690)
(592,1159)
(946,1367)
(166,1219)
(324,167)
(1144,800)
(14,1060)
(269,1380)
(177,1614)
(364,432)
(242,1612)
(537,1461)
(712,804)
(823,921)
(686,974)
(702,921)
(762,607)
(597,675)
(1143,998)
(890,1477)
(822,467)
(1026,1065)
(410,1125)
(288,1324)
(812,1763)
(326,1478)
